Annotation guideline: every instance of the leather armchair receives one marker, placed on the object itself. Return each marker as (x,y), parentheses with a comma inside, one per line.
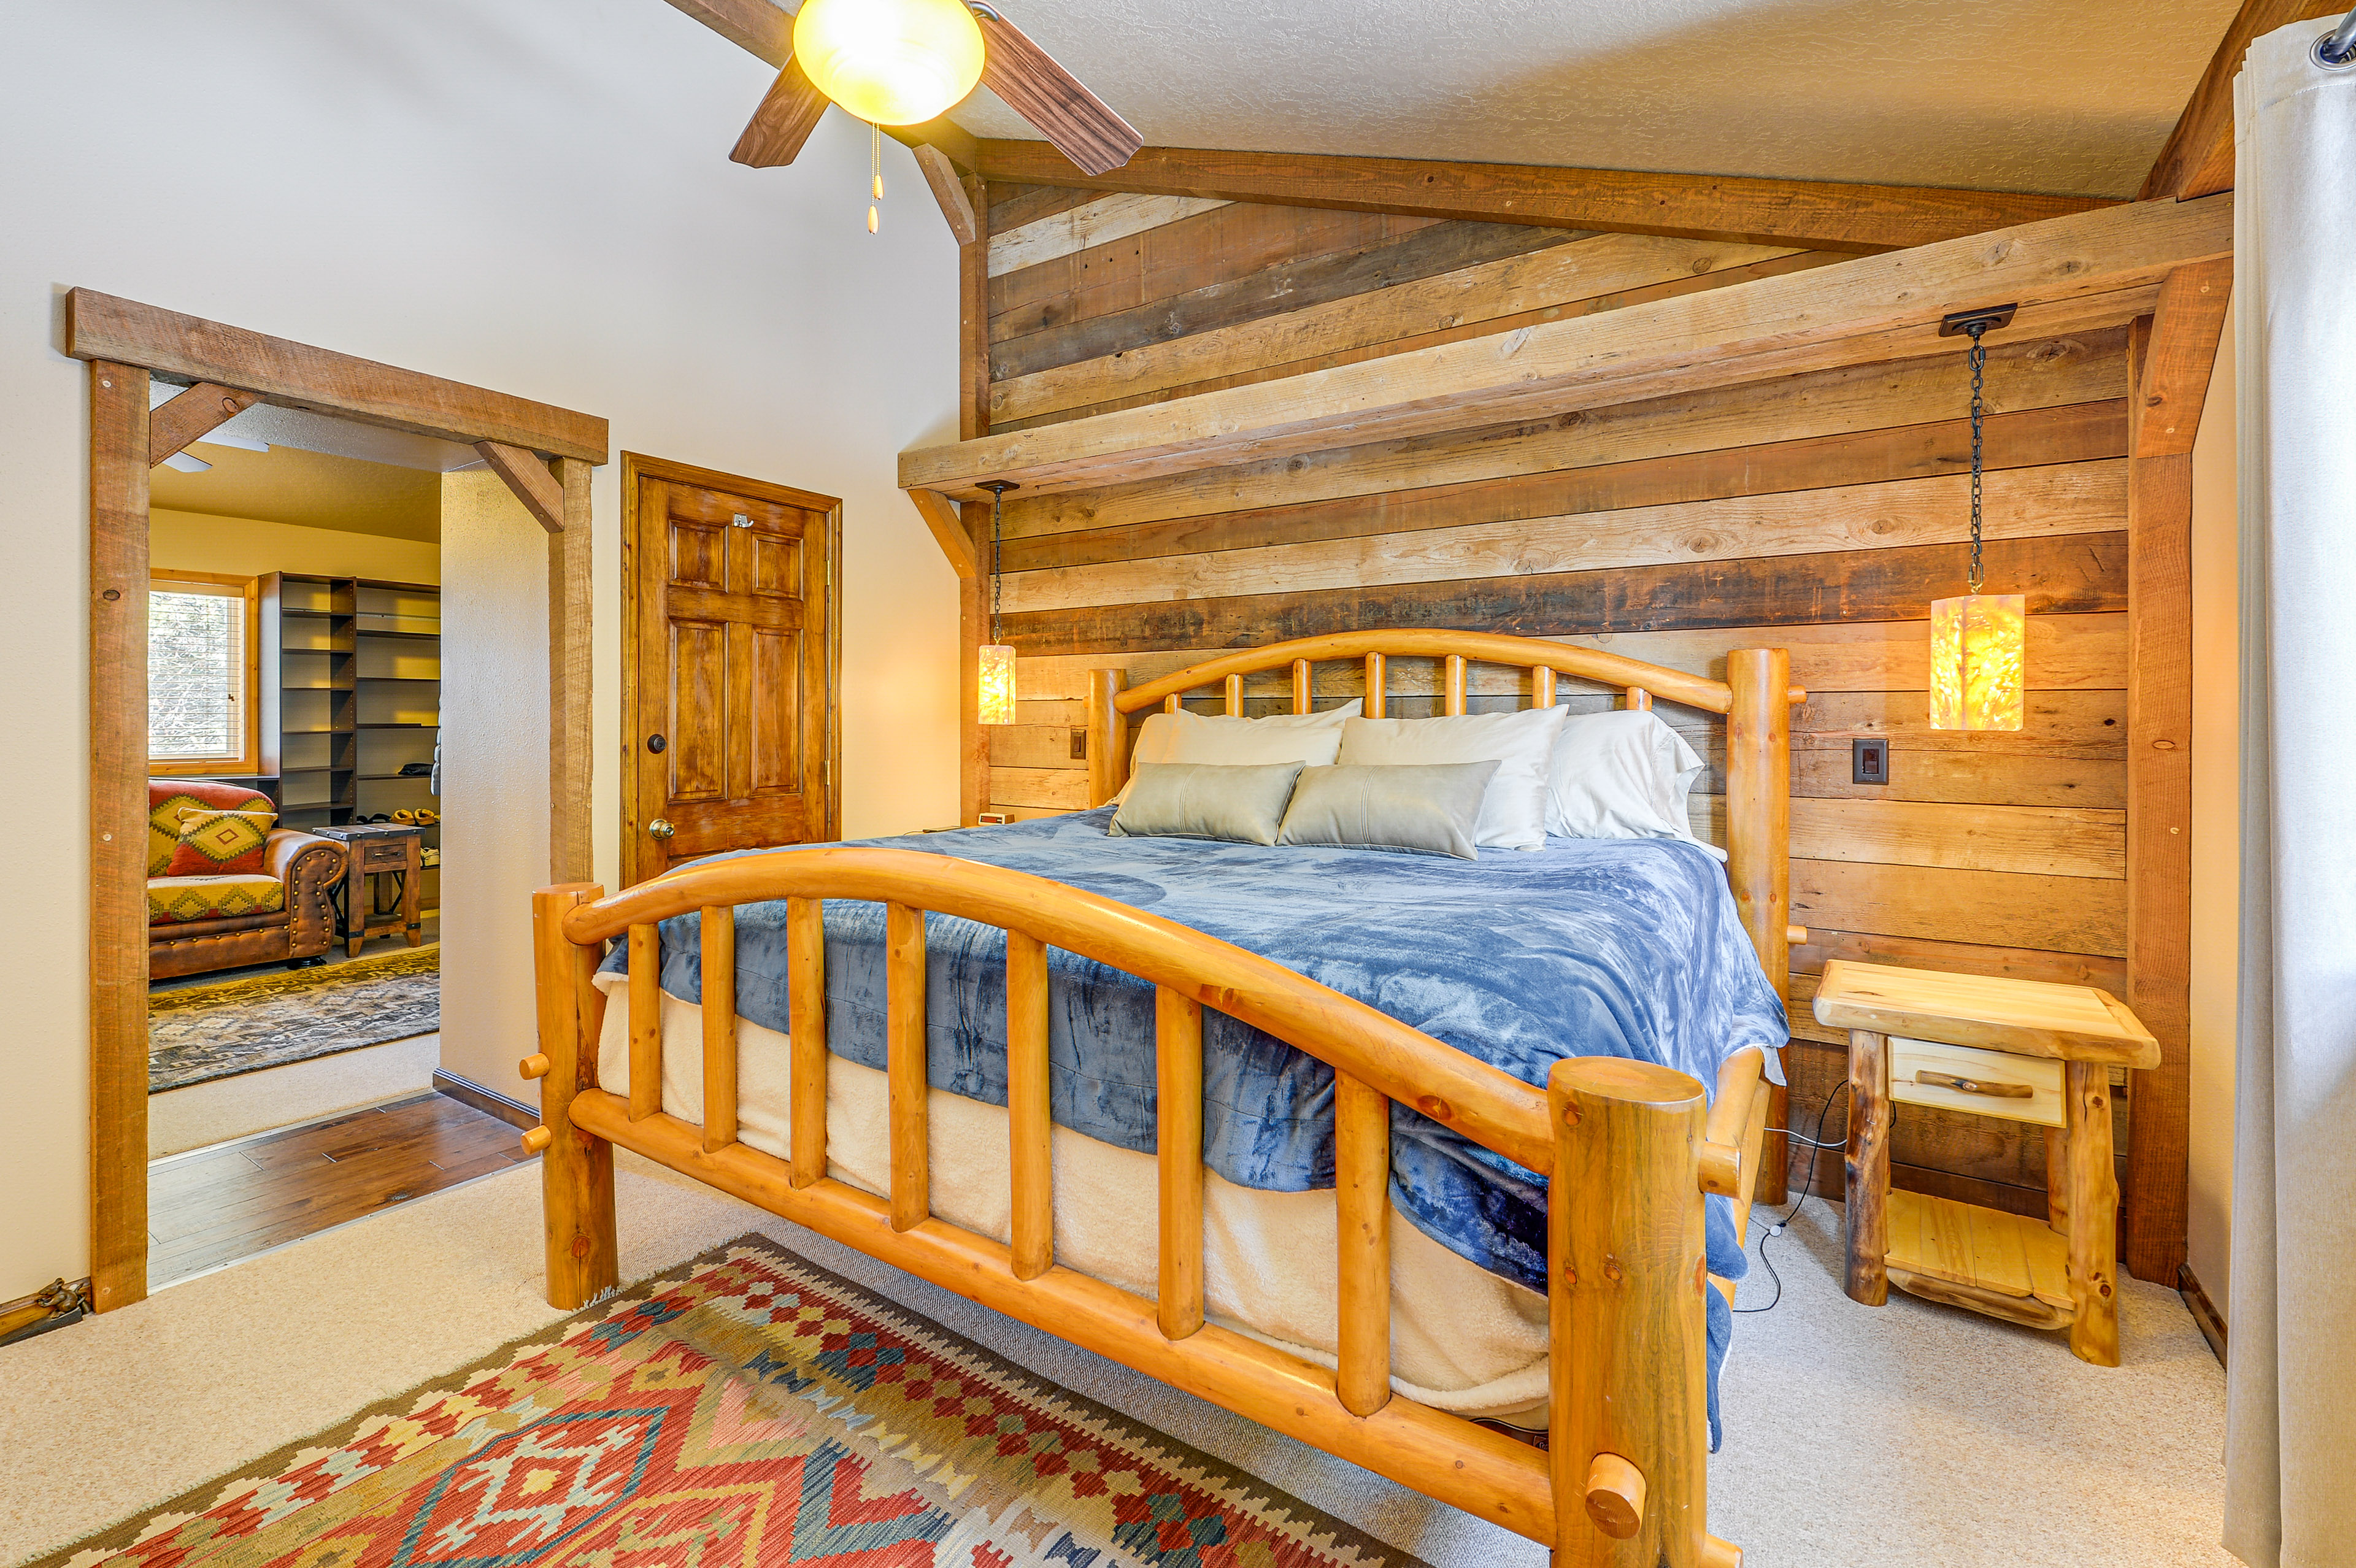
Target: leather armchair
(301,931)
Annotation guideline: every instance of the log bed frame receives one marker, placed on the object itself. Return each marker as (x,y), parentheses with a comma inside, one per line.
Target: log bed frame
(1627,1148)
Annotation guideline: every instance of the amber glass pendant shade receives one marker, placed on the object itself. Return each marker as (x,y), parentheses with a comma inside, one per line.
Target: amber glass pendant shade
(997,683)
(890,62)
(1978,661)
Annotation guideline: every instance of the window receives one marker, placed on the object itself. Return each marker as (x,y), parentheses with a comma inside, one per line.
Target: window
(200,665)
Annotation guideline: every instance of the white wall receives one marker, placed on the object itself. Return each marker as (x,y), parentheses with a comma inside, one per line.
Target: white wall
(533,197)
(250,547)
(2216,833)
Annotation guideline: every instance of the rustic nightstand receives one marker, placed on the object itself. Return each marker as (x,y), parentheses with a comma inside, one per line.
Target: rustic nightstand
(2018,1049)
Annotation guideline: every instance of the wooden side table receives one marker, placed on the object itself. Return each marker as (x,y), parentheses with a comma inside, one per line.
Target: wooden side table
(2022,1049)
(381,848)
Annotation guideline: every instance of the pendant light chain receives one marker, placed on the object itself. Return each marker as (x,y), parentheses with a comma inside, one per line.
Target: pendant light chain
(997,507)
(874,172)
(1979,368)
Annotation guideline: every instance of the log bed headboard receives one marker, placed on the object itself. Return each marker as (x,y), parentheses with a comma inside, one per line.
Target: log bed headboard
(1756,698)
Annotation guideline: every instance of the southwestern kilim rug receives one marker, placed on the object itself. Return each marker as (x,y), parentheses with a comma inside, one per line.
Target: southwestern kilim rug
(749,1410)
(199,1033)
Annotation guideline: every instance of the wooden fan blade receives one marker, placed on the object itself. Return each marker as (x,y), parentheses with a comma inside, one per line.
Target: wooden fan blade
(1074,120)
(783,122)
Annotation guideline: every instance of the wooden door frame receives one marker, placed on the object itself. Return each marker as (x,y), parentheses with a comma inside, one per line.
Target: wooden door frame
(637,466)
(229,369)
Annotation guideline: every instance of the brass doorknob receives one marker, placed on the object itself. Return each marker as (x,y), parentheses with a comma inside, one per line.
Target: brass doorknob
(660,828)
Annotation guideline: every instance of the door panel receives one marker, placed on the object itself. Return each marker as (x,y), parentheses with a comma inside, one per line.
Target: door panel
(731,646)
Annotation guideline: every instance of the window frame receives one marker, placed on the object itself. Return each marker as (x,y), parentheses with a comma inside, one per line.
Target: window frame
(247,763)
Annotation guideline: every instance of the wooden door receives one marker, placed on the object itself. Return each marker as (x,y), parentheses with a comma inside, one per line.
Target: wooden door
(729,642)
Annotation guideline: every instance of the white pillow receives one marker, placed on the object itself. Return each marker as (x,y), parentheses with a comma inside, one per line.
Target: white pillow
(1623,775)
(1513,811)
(1309,739)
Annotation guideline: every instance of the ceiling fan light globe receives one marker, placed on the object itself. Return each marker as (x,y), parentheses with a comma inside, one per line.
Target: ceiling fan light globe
(893,62)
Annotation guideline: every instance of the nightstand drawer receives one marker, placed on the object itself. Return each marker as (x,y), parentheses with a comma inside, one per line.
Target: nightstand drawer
(1985,1083)
(390,857)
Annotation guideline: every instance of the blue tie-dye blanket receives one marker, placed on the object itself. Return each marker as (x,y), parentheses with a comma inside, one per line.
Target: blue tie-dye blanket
(1589,947)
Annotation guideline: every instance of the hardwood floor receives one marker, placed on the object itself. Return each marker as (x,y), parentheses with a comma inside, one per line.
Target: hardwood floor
(207,1209)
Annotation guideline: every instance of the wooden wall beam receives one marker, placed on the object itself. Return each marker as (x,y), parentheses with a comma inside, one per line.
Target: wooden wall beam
(973,591)
(118,834)
(199,411)
(571,851)
(2170,357)
(297,376)
(1815,215)
(2198,159)
(540,492)
(2067,274)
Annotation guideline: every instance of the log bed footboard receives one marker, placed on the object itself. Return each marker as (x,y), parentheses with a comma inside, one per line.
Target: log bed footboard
(1628,1150)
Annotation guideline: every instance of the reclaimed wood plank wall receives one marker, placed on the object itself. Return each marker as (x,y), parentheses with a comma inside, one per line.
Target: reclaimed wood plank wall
(1822,512)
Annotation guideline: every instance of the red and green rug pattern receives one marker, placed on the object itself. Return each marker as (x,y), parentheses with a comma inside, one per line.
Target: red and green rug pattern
(749,1409)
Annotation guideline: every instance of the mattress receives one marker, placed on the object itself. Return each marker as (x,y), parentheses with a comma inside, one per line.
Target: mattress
(1463,1339)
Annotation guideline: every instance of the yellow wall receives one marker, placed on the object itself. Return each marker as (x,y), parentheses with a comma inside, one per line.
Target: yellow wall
(2216,831)
(249,546)
(550,212)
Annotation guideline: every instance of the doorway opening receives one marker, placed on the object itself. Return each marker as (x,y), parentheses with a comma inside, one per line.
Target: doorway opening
(347,644)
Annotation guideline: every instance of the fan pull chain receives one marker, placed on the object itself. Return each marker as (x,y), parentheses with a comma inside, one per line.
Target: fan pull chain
(874,170)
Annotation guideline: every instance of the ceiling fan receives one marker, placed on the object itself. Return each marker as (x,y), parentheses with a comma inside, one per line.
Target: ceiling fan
(902,62)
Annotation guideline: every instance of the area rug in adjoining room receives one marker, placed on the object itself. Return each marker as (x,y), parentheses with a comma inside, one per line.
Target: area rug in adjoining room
(748,1409)
(199,1033)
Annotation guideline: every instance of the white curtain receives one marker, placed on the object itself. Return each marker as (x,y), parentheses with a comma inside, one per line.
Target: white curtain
(2290,1443)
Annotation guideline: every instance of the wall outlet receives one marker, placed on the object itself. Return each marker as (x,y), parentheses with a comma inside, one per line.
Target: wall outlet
(1869,762)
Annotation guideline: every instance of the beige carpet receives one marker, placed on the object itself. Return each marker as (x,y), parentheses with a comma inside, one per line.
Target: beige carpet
(1911,1437)
(226,1108)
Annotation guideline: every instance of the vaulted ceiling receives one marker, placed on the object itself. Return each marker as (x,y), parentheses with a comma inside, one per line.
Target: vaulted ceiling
(2062,96)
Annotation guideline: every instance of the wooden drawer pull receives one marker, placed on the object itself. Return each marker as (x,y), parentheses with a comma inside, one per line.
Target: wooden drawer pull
(1975,1086)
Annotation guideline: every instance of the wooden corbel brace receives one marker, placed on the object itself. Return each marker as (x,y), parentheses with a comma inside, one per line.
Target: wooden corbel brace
(949,189)
(542,495)
(199,411)
(941,516)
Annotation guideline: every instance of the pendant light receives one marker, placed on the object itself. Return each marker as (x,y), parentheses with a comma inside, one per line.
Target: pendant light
(997,694)
(1978,641)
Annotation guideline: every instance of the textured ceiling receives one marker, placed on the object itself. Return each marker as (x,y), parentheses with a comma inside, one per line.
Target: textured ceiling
(311,490)
(2070,96)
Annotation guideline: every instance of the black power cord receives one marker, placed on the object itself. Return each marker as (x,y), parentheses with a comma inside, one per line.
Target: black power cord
(1807,1189)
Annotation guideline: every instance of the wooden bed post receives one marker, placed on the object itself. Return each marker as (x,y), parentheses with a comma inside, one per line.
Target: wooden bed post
(1627,1331)
(1759,849)
(1107,735)
(577,1169)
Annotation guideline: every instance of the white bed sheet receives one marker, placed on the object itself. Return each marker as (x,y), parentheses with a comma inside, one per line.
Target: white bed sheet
(1462,1339)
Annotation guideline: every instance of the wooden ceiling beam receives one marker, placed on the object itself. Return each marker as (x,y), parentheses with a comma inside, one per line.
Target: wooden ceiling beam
(199,411)
(2198,158)
(541,493)
(297,376)
(2067,274)
(1818,215)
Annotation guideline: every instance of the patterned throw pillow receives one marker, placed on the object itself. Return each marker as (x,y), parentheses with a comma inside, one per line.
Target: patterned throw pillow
(221,843)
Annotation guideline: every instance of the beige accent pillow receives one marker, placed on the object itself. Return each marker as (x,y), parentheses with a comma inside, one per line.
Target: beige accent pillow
(1428,809)
(1513,812)
(1309,739)
(1206,800)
